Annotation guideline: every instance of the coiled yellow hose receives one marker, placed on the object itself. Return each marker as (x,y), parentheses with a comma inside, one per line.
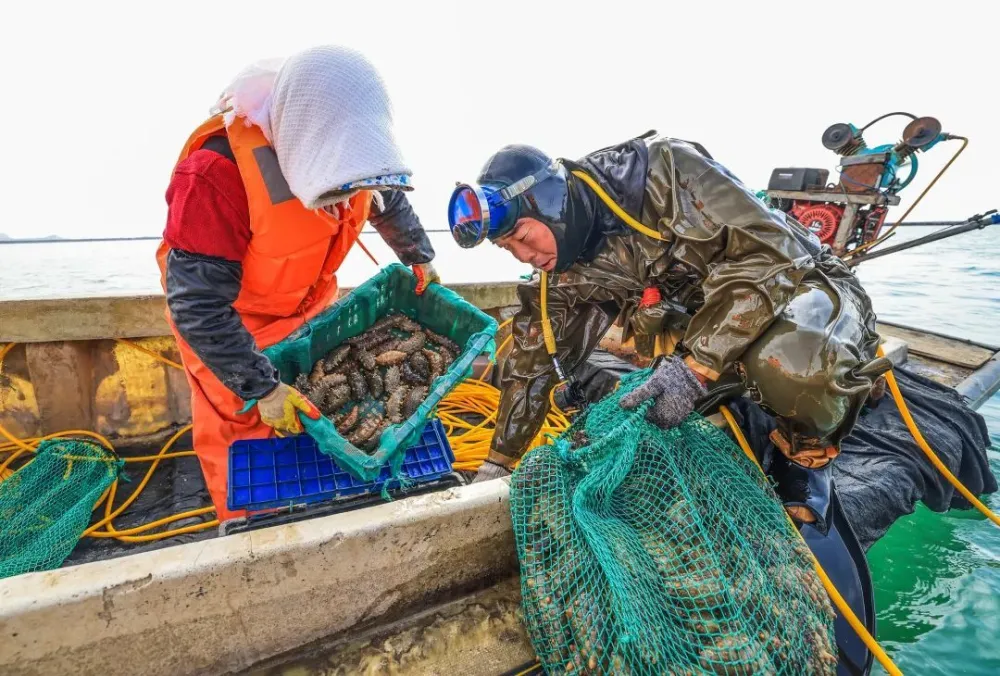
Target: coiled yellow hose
(470,443)
(104,528)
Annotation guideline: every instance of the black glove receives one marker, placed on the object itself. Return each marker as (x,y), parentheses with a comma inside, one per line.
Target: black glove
(675,388)
(398,225)
(490,470)
(569,396)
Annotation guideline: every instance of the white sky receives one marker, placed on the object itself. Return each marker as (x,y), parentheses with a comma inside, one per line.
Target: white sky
(99,96)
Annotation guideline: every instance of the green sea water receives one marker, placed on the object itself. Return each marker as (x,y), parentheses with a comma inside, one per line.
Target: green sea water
(937,576)
(937,587)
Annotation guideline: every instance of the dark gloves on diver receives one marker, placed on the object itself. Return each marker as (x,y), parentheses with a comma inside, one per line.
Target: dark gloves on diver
(674,388)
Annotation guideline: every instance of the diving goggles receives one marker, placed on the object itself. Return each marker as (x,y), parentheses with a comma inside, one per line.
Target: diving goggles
(478,212)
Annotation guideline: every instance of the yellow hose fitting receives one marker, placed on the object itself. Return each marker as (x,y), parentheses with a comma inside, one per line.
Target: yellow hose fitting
(548,335)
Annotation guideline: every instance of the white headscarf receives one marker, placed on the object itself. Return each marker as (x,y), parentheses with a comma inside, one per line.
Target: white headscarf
(328,116)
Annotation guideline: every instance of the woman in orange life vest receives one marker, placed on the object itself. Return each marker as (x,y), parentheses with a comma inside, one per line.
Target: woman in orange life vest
(267,198)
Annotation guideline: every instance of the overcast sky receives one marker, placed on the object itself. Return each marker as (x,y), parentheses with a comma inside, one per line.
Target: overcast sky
(99,96)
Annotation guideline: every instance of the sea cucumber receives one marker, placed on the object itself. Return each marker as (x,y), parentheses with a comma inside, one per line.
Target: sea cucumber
(390,358)
(415,398)
(336,357)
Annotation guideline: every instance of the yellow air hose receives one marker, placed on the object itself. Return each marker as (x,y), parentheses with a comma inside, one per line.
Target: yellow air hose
(838,600)
(471,442)
(617,210)
(548,335)
(18,448)
(911,425)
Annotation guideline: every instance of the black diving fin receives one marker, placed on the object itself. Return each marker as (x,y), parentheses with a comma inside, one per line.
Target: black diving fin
(841,556)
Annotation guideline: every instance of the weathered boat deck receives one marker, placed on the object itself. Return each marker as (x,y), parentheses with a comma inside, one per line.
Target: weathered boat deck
(972,368)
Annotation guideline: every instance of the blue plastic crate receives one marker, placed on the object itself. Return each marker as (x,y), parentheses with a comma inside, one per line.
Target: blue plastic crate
(267,473)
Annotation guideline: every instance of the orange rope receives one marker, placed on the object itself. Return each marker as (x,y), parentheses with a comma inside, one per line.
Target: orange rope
(365,249)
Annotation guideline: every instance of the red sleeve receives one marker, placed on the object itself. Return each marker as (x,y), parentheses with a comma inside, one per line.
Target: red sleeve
(207,211)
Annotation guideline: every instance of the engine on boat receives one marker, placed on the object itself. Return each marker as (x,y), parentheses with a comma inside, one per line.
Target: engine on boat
(849,214)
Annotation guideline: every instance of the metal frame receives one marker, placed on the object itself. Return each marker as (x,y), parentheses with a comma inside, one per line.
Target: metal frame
(877,199)
(866,158)
(981,384)
(845,229)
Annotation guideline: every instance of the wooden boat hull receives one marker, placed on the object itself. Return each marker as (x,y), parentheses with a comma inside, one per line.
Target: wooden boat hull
(225,604)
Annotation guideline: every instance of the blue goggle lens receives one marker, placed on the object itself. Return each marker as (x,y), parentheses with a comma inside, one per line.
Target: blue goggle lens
(465,217)
(477,213)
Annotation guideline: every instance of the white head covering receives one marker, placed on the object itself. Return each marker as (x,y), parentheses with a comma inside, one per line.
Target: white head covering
(328,116)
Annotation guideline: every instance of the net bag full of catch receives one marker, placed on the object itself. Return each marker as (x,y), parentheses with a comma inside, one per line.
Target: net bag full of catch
(377,362)
(645,551)
(45,506)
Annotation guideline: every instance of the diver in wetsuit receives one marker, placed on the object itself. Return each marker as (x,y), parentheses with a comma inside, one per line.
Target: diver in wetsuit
(737,292)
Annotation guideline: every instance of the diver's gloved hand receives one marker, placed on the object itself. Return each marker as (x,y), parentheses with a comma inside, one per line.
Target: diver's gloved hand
(675,389)
(490,470)
(281,407)
(569,395)
(426,275)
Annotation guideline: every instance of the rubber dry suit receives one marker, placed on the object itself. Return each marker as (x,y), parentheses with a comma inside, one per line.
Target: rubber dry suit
(746,292)
(327,115)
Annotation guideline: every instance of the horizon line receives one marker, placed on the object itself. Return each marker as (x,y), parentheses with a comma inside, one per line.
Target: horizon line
(65,240)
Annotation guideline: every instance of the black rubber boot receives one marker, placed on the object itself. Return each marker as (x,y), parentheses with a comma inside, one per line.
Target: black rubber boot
(802,487)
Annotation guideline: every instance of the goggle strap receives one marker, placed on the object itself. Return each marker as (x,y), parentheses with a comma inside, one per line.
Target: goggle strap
(520,187)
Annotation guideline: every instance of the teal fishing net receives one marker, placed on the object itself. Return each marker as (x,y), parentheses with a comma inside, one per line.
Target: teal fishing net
(46,505)
(645,551)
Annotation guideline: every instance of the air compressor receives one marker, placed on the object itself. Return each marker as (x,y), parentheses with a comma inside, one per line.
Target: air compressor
(849,214)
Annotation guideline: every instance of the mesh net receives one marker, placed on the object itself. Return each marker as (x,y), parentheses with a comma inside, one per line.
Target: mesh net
(391,290)
(46,505)
(652,552)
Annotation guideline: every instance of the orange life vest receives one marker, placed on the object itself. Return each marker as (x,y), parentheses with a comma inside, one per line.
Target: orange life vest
(289,272)
(289,276)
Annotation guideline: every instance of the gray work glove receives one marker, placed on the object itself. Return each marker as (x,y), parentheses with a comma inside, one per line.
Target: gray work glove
(490,470)
(675,389)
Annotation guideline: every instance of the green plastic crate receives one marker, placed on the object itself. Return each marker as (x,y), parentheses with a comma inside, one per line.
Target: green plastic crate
(391,290)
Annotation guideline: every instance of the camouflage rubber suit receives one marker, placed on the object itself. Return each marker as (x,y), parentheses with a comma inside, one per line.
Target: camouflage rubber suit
(752,293)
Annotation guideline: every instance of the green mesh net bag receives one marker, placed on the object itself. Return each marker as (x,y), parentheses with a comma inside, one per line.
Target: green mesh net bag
(652,552)
(46,505)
